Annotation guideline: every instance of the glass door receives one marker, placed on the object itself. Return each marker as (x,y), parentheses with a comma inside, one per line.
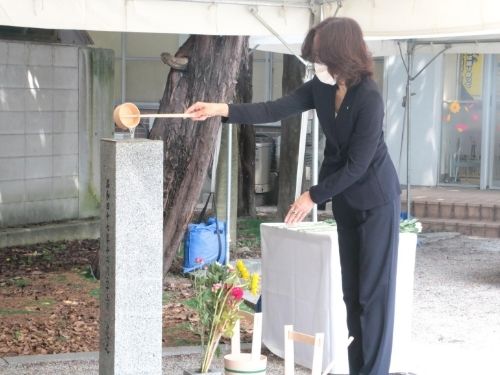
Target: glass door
(461,126)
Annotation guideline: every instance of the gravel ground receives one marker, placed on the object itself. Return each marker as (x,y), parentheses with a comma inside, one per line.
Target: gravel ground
(172,365)
(456,315)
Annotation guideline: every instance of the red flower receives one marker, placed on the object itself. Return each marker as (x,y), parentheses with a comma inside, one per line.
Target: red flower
(198,260)
(237,293)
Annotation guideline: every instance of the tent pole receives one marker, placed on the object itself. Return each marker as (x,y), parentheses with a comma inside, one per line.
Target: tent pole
(410,52)
(302,150)
(228,196)
(255,13)
(314,171)
(410,49)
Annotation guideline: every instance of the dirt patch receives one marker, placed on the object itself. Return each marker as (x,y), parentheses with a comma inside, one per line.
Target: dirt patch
(49,299)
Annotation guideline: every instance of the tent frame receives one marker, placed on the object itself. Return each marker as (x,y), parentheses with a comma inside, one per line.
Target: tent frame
(411,45)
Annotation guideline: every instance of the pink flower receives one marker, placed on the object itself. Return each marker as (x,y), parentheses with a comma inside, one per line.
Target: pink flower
(198,260)
(237,293)
(461,127)
(216,287)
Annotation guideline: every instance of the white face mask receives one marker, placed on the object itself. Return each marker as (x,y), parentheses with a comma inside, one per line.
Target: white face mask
(321,71)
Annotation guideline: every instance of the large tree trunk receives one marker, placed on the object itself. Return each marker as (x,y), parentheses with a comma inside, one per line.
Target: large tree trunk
(293,76)
(211,76)
(246,140)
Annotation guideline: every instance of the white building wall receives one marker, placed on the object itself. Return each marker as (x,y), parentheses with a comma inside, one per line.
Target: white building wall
(425,118)
(44,134)
(38,133)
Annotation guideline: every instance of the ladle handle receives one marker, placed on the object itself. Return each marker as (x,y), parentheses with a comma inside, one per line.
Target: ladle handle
(164,115)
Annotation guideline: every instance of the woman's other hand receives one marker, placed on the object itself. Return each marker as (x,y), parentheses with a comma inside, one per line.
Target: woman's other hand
(202,111)
(299,209)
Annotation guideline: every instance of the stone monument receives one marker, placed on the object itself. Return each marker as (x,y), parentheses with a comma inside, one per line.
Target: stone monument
(131,257)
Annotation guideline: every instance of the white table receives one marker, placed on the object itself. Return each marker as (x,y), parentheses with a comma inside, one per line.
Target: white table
(301,285)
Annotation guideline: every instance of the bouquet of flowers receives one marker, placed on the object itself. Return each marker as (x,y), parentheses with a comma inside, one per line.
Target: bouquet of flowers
(218,294)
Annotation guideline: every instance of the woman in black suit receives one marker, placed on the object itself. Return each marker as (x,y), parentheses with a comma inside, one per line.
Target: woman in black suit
(357,173)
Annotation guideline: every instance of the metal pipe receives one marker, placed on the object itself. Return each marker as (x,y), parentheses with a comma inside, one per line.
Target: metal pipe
(454,42)
(301,152)
(314,171)
(431,61)
(124,67)
(255,13)
(487,136)
(410,50)
(339,5)
(228,201)
(268,3)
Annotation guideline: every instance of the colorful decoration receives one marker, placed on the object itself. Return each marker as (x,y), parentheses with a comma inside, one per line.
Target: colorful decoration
(461,127)
(454,107)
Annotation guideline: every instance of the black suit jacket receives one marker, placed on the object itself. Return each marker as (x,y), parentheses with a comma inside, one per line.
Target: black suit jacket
(356,164)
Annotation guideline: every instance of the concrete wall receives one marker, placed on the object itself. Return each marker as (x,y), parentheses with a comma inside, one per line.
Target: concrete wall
(39,133)
(425,118)
(146,75)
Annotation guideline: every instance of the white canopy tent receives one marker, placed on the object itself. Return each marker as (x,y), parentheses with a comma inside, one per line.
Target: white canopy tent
(380,19)
(208,17)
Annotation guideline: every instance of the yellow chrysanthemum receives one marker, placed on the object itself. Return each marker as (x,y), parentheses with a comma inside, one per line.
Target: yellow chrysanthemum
(454,107)
(255,284)
(242,270)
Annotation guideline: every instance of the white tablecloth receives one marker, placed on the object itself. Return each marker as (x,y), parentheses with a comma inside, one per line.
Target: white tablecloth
(301,285)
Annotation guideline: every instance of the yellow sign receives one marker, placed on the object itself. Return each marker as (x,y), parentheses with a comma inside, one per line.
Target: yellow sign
(471,70)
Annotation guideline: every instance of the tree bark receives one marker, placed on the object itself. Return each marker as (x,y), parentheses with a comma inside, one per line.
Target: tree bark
(293,76)
(246,141)
(211,76)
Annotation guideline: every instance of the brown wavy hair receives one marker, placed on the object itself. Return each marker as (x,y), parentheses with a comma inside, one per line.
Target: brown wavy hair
(338,43)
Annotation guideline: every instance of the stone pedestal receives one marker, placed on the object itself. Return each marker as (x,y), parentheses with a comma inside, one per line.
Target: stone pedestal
(131,257)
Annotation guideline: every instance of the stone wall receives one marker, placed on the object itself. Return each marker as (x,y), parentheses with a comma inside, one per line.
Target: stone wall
(42,119)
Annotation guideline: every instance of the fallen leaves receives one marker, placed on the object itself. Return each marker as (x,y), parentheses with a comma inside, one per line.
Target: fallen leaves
(48,304)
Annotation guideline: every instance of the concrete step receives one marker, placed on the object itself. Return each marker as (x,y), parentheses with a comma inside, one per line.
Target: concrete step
(467,227)
(452,210)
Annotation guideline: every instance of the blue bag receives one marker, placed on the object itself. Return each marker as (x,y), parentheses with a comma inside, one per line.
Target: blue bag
(204,242)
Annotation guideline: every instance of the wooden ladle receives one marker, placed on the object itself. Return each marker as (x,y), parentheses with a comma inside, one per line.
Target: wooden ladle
(127,115)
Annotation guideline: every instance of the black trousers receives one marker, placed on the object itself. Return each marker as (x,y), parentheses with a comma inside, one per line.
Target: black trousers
(368,243)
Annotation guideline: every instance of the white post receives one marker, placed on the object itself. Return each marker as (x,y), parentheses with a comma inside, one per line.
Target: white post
(289,354)
(228,202)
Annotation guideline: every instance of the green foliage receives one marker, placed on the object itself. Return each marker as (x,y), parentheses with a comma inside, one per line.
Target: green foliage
(249,232)
(21,282)
(166,296)
(95,292)
(87,274)
(405,226)
(6,312)
(410,226)
(17,335)
(47,301)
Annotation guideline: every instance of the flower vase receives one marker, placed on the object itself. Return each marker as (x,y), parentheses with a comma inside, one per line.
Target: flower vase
(244,363)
